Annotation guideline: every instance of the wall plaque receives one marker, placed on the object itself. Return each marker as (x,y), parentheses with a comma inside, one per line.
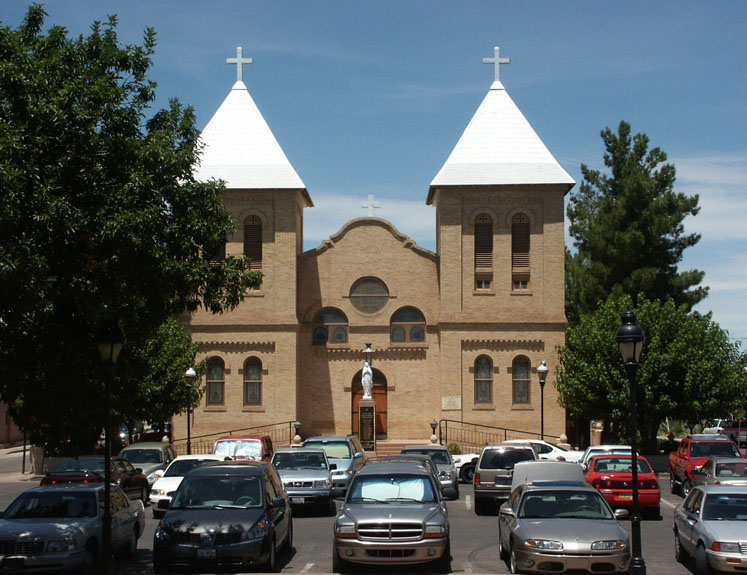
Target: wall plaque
(451,402)
(367,424)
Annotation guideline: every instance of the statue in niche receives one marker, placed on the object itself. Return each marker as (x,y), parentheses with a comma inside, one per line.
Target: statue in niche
(367,381)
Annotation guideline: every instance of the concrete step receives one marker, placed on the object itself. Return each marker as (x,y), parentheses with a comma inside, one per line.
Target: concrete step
(393,447)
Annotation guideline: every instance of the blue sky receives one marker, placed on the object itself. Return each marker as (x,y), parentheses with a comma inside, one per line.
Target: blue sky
(371,97)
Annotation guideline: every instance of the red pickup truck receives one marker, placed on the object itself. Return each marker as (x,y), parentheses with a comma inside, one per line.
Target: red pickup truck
(693,452)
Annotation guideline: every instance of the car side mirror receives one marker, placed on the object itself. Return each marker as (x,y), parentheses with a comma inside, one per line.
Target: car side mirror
(508,511)
(164,503)
(332,466)
(621,514)
(278,503)
(137,470)
(450,492)
(159,473)
(359,455)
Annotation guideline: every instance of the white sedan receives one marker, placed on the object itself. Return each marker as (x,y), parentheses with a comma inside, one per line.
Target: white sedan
(465,467)
(172,477)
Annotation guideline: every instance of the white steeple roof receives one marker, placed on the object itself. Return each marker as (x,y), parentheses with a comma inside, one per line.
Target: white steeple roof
(240,148)
(499,148)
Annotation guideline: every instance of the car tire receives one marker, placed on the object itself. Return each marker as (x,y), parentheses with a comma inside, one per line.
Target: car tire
(701,562)
(339,565)
(479,507)
(502,553)
(130,547)
(674,488)
(680,554)
(271,562)
(512,566)
(443,563)
(467,473)
(288,543)
(144,496)
(686,487)
(90,560)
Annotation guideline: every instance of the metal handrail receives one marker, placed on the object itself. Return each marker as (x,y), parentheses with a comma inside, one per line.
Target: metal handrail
(473,436)
(281,433)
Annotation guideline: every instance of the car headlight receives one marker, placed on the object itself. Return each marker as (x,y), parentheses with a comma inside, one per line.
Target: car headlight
(160,534)
(343,472)
(345,531)
(544,544)
(444,475)
(59,545)
(725,547)
(322,483)
(258,530)
(157,492)
(432,531)
(153,477)
(609,545)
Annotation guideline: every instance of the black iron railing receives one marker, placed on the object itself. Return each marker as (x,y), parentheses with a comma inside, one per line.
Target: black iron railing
(281,433)
(471,437)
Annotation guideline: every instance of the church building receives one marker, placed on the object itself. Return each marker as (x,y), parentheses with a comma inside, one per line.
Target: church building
(456,335)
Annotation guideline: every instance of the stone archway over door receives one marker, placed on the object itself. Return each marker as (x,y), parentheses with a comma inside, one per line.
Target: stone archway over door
(379,394)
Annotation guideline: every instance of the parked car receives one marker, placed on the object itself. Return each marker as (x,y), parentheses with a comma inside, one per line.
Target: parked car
(392,515)
(227,514)
(593,450)
(711,525)
(557,527)
(248,447)
(612,475)
(465,464)
(717,426)
(440,455)
(167,484)
(736,431)
(153,457)
(543,449)
(722,471)
(59,527)
(306,476)
(693,452)
(345,451)
(533,471)
(90,469)
(494,472)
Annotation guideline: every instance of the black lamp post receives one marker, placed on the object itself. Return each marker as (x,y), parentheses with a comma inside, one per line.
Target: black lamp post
(542,372)
(111,339)
(368,354)
(630,338)
(190,376)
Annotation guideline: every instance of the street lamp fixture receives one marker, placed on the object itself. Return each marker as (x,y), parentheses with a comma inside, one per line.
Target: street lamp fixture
(368,354)
(297,426)
(542,372)
(190,376)
(110,341)
(630,338)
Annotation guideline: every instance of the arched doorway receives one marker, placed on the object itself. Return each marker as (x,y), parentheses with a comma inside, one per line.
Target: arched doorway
(379,394)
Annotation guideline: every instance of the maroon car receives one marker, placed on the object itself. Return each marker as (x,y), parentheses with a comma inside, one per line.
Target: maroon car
(90,469)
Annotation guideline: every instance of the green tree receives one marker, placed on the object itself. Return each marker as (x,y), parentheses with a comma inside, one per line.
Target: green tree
(627,227)
(100,218)
(689,370)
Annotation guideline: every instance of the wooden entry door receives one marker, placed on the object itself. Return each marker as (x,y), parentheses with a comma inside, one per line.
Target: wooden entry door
(379,394)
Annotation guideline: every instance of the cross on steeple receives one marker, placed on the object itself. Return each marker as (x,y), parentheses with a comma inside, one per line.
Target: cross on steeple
(497,61)
(370,204)
(239,61)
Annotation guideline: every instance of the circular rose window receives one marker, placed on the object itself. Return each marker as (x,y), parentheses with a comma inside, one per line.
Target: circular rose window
(369,294)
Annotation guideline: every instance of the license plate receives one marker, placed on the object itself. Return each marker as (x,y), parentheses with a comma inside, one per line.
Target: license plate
(297,500)
(625,496)
(206,553)
(503,481)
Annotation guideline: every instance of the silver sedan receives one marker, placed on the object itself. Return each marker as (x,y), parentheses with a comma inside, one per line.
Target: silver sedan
(722,471)
(561,526)
(709,525)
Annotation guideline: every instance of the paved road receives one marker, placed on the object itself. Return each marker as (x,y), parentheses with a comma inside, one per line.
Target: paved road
(474,538)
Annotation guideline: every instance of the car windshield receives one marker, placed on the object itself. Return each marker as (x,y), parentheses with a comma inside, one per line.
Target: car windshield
(143,455)
(619,465)
(714,449)
(391,488)
(564,504)
(336,449)
(238,447)
(439,456)
(725,507)
(52,505)
(181,467)
(95,464)
(209,492)
(300,460)
(504,458)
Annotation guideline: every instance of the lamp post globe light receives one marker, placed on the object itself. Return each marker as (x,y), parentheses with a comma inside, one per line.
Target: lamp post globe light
(630,338)
(368,354)
(542,373)
(110,341)
(190,376)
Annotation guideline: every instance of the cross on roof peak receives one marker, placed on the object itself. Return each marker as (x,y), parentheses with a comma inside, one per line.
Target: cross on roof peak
(497,61)
(239,61)
(371,204)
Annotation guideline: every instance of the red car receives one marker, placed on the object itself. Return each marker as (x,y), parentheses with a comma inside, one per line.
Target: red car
(612,475)
(90,469)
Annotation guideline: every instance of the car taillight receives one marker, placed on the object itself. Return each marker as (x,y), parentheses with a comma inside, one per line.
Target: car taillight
(476,479)
(648,484)
(601,483)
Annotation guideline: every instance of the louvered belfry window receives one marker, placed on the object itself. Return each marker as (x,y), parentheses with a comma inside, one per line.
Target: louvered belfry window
(520,241)
(253,241)
(483,242)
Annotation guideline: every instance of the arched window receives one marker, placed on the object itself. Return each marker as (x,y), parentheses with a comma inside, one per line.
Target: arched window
(253,381)
(520,373)
(520,251)
(330,326)
(408,324)
(253,241)
(483,380)
(369,294)
(216,382)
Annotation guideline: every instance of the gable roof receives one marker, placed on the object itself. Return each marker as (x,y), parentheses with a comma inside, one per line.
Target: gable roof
(499,148)
(240,148)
